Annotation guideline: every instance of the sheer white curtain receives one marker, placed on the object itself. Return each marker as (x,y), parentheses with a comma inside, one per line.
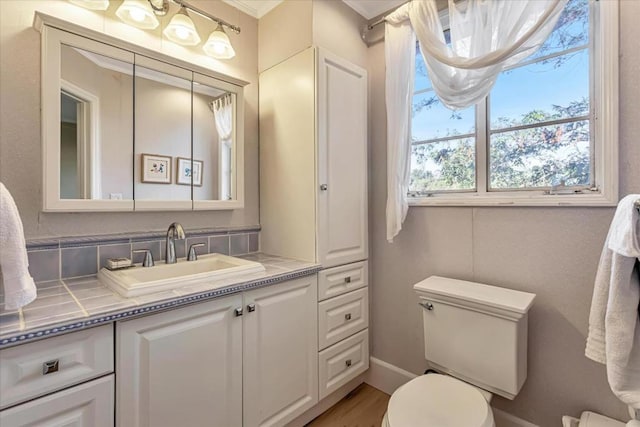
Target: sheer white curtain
(400,48)
(487,36)
(223,113)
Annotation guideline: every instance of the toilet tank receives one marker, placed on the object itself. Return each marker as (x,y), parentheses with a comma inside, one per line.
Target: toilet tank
(476,332)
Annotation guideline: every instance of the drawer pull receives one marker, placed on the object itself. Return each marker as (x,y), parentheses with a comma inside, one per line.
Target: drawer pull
(347,279)
(238,311)
(50,367)
(251,308)
(348,363)
(347,316)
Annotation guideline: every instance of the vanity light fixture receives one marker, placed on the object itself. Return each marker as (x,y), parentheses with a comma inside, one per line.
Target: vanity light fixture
(218,45)
(138,13)
(92,4)
(181,29)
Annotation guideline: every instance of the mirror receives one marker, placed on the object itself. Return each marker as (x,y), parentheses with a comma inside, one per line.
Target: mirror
(158,135)
(96,146)
(162,131)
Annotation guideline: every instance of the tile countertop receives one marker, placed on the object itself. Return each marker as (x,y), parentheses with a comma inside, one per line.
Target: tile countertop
(77,303)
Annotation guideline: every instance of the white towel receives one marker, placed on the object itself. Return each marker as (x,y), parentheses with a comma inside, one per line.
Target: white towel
(19,289)
(614,324)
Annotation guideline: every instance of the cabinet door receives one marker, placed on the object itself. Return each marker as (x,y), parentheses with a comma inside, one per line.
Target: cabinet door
(182,367)
(342,161)
(280,352)
(87,405)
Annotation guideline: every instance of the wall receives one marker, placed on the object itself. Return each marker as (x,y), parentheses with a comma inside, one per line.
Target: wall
(296,25)
(283,32)
(337,27)
(20,152)
(552,252)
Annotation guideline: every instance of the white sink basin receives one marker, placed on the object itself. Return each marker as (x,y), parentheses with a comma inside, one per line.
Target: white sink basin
(137,281)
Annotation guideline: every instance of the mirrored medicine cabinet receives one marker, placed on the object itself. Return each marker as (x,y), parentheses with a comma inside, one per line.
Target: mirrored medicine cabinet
(124,128)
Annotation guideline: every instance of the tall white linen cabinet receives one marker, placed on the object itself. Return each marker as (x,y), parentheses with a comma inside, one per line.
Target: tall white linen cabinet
(313,196)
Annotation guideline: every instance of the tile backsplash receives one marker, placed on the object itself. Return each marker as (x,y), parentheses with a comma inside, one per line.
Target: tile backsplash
(52,259)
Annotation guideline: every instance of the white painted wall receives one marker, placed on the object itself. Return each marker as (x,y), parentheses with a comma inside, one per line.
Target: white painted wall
(552,252)
(20,152)
(295,25)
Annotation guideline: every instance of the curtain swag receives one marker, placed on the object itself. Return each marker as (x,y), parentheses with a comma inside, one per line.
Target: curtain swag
(487,36)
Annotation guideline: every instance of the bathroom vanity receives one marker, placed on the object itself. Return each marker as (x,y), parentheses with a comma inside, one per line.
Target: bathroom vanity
(241,351)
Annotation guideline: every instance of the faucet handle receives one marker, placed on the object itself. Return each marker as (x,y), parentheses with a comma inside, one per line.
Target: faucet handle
(193,255)
(148,257)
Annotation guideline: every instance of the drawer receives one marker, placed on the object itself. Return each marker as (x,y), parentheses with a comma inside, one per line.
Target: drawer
(343,362)
(86,405)
(342,316)
(80,356)
(340,280)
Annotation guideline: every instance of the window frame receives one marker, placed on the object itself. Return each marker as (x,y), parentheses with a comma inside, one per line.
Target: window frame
(603,121)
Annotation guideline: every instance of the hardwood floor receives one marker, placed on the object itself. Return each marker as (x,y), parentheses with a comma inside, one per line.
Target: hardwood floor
(363,407)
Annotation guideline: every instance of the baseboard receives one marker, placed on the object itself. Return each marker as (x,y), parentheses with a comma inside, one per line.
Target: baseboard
(387,377)
(505,419)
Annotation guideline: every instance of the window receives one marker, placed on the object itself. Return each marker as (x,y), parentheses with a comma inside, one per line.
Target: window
(542,136)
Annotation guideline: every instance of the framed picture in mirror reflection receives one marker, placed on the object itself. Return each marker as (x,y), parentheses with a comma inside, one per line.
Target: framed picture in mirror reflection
(186,169)
(156,169)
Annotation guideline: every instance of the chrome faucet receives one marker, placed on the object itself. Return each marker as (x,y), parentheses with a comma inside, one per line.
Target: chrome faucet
(174,232)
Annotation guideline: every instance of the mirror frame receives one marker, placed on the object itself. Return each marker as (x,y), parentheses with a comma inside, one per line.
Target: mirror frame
(54,33)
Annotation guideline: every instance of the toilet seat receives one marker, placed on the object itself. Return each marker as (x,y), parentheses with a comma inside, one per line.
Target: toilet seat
(436,400)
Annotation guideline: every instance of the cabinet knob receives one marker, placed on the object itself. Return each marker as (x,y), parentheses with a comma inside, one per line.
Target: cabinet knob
(251,308)
(347,279)
(238,311)
(324,187)
(50,367)
(347,316)
(348,363)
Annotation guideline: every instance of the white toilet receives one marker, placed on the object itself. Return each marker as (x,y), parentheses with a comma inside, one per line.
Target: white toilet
(476,335)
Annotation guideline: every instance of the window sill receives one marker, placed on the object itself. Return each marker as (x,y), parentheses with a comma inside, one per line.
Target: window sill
(515,199)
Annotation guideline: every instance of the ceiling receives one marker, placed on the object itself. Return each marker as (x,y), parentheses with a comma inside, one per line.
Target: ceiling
(367,8)
(372,8)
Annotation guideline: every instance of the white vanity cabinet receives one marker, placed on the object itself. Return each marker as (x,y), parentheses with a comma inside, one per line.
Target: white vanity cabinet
(182,367)
(313,159)
(280,352)
(249,359)
(65,380)
(85,405)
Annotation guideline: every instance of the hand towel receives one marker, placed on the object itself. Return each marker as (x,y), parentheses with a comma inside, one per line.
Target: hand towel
(19,288)
(614,324)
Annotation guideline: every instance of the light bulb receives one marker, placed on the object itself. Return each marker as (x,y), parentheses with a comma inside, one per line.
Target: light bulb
(182,33)
(218,48)
(218,45)
(181,29)
(137,15)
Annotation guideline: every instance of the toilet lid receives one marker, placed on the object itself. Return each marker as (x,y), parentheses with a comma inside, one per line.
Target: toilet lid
(439,401)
